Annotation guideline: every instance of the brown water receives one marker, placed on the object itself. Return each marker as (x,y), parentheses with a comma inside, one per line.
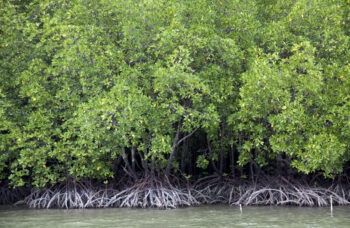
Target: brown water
(204,216)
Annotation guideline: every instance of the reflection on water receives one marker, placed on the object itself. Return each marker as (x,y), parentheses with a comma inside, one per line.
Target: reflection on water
(204,216)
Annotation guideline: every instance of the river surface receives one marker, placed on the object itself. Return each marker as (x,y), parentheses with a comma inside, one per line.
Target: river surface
(203,216)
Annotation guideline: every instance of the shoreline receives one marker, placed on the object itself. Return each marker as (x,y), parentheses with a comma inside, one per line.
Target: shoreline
(162,194)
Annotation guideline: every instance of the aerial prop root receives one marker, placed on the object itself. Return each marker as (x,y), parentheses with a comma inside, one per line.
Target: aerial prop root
(288,195)
(69,195)
(153,192)
(269,191)
(145,193)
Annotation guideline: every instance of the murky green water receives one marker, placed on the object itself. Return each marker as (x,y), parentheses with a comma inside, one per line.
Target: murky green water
(205,216)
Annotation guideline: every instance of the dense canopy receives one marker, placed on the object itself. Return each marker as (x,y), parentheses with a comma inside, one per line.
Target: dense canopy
(104,89)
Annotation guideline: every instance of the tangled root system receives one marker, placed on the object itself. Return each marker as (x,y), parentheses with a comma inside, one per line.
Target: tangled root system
(161,193)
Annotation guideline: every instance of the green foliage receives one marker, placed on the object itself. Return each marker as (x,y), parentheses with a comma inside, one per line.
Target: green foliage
(292,98)
(85,82)
(202,162)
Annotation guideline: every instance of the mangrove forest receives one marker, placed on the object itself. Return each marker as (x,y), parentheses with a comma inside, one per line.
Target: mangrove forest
(173,103)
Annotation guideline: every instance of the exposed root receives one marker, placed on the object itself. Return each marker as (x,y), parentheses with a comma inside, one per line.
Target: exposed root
(282,192)
(69,195)
(144,194)
(153,193)
(214,189)
(271,191)
(160,193)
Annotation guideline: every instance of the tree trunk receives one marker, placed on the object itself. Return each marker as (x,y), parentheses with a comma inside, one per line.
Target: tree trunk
(221,167)
(212,161)
(173,149)
(127,167)
(144,164)
(133,160)
(232,162)
(176,143)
